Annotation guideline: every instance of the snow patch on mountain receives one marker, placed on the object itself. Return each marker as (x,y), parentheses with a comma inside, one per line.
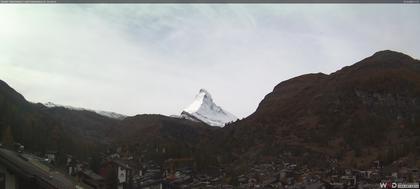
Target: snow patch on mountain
(205,110)
(112,115)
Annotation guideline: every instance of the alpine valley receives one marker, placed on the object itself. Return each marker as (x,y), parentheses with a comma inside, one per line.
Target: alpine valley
(364,117)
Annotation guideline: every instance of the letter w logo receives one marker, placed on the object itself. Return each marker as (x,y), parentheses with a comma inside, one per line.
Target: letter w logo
(385,185)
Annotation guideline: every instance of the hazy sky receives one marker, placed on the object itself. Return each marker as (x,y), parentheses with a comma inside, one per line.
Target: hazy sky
(135,59)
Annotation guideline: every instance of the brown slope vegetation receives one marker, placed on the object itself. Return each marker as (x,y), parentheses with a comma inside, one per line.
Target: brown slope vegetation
(84,123)
(85,134)
(27,124)
(42,129)
(148,134)
(370,110)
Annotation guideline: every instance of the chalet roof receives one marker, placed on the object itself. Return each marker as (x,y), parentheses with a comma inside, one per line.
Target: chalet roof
(122,164)
(20,166)
(92,175)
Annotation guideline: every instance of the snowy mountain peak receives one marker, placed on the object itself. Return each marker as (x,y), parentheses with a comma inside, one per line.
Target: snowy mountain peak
(203,97)
(205,93)
(50,105)
(103,113)
(205,110)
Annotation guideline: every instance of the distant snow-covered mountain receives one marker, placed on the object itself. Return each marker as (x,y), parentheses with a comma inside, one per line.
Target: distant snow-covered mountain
(205,110)
(112,115)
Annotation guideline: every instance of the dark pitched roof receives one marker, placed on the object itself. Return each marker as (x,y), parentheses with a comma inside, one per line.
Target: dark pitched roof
(122,164)
(92,175)
(23,168)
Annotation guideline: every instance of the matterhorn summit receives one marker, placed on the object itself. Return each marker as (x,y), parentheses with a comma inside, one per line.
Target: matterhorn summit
(205,110)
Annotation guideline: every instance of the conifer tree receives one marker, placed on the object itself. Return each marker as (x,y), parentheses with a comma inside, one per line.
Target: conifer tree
(7,137)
